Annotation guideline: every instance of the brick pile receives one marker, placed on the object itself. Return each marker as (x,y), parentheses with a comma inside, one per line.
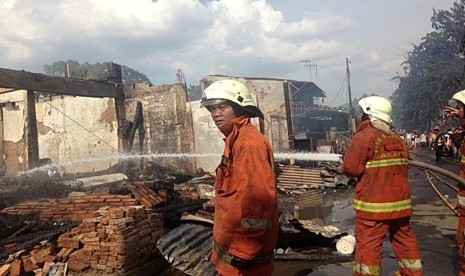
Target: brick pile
(114,240)
(70,208)
(117,239)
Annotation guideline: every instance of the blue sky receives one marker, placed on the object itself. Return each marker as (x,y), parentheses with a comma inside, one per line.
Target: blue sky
(254,38)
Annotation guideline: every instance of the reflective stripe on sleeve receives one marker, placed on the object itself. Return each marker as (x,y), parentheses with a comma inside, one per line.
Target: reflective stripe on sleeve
(367,269)
(384,207)
(256,223)
(411,264)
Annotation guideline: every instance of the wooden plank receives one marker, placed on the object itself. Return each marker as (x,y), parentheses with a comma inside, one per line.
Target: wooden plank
(22,80)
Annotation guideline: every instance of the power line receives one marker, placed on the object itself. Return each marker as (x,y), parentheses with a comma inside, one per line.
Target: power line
(340,89)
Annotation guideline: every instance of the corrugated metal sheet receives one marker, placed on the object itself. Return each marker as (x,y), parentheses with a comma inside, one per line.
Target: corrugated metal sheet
(310,198)
(293,177)
(188,248)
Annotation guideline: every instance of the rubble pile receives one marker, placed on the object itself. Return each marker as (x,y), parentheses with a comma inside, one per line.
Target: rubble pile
(113,229)
(18,189)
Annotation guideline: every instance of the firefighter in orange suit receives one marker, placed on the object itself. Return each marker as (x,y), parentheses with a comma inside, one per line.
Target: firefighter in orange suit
(378,159)
(458,110)
(246,225)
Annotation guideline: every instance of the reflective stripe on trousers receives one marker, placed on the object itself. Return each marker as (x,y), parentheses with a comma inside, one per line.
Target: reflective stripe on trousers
(412,265)
(256,223)
(226,257)
(385,207)
(364,269)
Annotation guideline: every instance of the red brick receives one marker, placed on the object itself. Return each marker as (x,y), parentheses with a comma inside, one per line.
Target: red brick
(4,269)
(77,266)
(113,199)
(50,258)
(97,200)
(28,265)
(39,272)
(46,267)
(16,269)
(68,242)
(38,257)
(106,196)
(66,254)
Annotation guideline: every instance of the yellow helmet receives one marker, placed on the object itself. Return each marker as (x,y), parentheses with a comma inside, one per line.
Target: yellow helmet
(459,97)
(377,107)
(232,91)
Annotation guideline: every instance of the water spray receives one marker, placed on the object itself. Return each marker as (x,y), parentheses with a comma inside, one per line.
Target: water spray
(302,156)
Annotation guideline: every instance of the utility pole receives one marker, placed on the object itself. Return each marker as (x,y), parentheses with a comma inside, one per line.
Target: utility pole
(351,132)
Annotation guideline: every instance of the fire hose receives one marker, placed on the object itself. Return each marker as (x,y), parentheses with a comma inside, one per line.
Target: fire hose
(428,168)
(440,195)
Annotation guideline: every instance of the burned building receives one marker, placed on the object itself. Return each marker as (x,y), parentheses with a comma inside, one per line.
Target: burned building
(294,119)
(89,125)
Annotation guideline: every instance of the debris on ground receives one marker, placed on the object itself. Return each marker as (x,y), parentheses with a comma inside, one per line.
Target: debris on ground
(146,219)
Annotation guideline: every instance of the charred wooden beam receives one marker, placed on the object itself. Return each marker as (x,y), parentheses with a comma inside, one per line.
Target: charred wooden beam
(23,80)
(177,209)
(32,135)
(289,115)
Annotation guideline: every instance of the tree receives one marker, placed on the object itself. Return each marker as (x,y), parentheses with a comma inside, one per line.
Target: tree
(432,72)
(129,75)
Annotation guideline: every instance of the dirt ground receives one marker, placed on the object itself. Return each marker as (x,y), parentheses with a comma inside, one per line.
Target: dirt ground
(434,224)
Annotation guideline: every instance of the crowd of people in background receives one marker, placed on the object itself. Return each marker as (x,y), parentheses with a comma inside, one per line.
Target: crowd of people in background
(445,144)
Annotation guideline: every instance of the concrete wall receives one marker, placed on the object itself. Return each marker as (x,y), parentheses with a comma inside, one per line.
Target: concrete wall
(208,139)
(167,121)
(76,133)
(73,131)
(13,119)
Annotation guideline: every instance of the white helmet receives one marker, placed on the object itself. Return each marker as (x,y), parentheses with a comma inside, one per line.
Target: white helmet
(459,96)
(377,107)
(233,91)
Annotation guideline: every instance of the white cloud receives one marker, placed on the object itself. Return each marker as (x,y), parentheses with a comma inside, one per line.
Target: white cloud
(257,38)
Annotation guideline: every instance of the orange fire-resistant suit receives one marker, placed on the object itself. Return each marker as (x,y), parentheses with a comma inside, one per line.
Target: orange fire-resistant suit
(246,212)
(378,158)
(461,209)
